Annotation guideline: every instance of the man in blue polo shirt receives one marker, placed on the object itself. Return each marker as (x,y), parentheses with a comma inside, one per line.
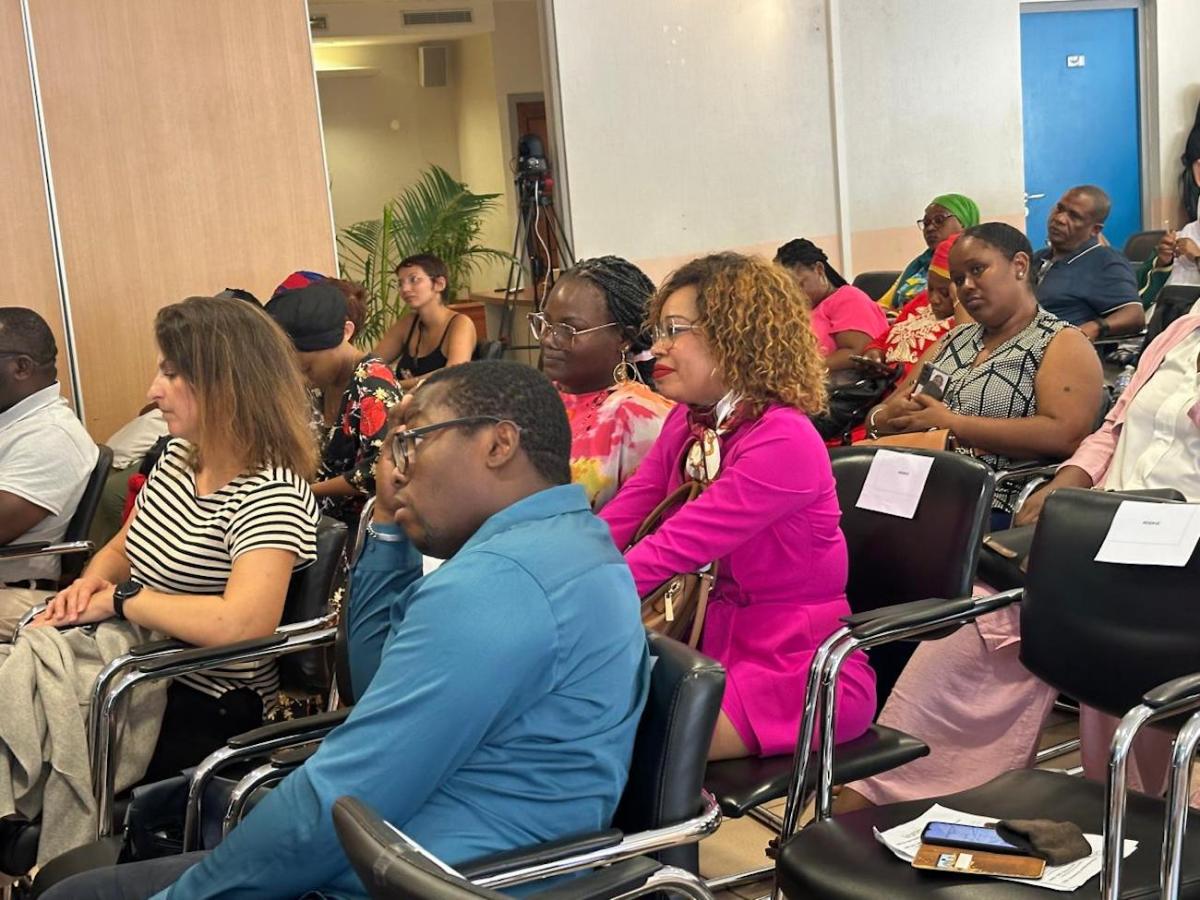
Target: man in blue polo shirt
(509,686)
(1081,280)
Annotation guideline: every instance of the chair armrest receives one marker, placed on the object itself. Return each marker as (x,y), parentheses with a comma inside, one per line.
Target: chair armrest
(1185,689)
(1027,470)
(931,618)
(44,548)
(524,857)
(306,725)
(152,647)
(210,655)
(294,757)
(880,612)
(607,883)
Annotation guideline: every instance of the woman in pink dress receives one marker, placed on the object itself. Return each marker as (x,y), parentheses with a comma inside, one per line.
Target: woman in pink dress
(595,350)
(844,319)
(733,347)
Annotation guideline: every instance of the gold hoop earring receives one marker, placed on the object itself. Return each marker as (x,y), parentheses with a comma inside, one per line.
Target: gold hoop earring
(625,372)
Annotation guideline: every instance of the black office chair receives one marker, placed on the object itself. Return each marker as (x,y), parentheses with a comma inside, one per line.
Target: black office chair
(307,623)
(892,561)
(74,548)
(1139,245)
(663,810)
(875,284)
(393,867)
(1117,637)
(1173,301)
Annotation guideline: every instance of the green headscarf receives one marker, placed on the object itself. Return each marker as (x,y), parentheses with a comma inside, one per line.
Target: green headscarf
(962,208)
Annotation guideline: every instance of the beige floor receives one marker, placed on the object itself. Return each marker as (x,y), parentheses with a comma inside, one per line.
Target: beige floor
(739,844)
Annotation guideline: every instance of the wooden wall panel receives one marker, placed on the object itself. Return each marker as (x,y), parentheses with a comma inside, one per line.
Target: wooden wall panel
(186,156)
(26,248)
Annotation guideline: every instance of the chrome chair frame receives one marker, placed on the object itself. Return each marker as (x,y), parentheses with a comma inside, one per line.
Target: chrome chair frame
(841,644)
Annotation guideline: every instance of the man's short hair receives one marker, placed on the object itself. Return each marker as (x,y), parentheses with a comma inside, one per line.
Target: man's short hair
(1101,202)
(24,331)
(520,394)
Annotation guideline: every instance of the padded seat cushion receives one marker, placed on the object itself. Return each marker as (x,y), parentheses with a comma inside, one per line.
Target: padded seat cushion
(742,784)
(840,858)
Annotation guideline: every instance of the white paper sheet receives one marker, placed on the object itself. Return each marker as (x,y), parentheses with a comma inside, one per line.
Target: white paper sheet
(1152,534)
(904,841)
(430,564)
(894,483)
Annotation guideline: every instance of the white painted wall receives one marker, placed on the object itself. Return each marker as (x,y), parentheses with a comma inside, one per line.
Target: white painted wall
(1178,76)
(690,126)
(706,125)
(926,116)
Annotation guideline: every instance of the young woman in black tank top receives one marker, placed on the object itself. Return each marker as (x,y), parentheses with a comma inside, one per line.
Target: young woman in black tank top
(409,345)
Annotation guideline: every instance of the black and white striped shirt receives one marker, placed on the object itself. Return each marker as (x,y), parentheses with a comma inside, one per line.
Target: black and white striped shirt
(182,543)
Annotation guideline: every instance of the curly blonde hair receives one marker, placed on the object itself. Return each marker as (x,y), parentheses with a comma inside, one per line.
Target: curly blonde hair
(754,317)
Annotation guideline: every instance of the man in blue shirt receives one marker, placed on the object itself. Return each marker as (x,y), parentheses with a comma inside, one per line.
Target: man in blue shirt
(1080,280)
(509,686)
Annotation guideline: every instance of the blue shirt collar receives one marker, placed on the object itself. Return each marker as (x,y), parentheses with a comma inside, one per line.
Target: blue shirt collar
(31,404)
(1083,248)
(555,501)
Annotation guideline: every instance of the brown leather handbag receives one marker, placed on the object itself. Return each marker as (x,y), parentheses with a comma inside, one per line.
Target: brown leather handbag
(937,439)
(676,607)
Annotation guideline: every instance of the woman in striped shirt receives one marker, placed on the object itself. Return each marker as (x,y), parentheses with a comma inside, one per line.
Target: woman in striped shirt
(225,518)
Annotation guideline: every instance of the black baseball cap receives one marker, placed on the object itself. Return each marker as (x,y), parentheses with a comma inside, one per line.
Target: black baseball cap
(314,317)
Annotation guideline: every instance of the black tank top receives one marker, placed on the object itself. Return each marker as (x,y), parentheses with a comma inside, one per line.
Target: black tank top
(423,365)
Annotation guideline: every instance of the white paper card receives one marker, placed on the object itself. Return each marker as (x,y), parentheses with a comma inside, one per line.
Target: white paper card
(904,841)
(894,483)
(430,564)
(1152,534)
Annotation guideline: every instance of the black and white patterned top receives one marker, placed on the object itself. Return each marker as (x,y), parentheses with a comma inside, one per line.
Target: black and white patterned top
(1002,386)
(183,543)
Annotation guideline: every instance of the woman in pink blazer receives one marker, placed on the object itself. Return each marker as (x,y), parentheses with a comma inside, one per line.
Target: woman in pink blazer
(733,347)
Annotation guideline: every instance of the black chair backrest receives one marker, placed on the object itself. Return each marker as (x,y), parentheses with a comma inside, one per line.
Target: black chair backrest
(1103,633)
(896,560)
(875,284)
(89,501)
(1173,301)
(85,511)
(1141,244)
(390,868)
(308,598)
(670,753)
(489,350)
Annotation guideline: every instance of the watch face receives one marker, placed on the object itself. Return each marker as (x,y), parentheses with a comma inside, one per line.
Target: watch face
(127,589)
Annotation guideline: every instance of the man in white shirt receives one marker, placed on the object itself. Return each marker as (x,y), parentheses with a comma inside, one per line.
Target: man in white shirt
(46,457)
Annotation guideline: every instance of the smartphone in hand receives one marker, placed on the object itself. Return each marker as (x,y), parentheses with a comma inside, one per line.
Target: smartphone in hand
(931,382)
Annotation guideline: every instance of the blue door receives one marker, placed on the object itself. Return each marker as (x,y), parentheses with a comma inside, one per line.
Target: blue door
(1079,85)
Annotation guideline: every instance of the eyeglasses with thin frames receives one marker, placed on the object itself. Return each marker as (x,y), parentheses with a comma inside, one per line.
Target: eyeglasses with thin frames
(405,441)
(560,334)
(669,332)
(934,221)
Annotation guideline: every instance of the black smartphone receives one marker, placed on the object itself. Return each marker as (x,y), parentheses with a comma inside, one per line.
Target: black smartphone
(931,382)
(969,837)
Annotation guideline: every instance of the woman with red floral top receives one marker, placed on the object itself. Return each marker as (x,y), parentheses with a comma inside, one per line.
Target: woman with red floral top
(352,394)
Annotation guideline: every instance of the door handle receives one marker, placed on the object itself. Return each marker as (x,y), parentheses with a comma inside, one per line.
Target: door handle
(1029,197)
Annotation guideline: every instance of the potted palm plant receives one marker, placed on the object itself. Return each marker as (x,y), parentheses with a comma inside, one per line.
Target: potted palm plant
(436,215)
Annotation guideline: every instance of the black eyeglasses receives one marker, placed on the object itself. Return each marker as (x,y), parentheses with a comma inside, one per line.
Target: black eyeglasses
(934,221)
(405,441)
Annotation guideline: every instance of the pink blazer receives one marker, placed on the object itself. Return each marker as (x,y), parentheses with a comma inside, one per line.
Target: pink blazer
(771,519)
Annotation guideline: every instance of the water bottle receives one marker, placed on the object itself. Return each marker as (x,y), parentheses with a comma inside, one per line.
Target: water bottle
(1122,381)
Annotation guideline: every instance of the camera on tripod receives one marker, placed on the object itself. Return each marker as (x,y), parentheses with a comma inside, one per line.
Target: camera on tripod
(531,157)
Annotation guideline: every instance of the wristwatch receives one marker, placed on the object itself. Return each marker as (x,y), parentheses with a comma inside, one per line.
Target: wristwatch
(122,592)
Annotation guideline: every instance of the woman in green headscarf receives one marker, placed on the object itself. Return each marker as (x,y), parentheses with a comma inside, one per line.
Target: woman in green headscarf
(945,215)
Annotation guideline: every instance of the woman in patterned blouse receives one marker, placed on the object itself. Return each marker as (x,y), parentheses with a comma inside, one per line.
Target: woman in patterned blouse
(352,394)
(1020,383)
(592,336)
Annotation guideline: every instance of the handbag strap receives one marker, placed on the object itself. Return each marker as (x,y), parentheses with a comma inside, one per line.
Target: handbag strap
(686,492)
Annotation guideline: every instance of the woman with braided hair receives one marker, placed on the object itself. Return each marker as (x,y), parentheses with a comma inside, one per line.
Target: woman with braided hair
(595,350)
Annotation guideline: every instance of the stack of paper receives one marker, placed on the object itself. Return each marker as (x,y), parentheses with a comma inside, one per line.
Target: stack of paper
(904,841)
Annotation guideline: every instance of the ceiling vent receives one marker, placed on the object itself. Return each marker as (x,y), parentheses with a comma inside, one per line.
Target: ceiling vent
(438,17)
